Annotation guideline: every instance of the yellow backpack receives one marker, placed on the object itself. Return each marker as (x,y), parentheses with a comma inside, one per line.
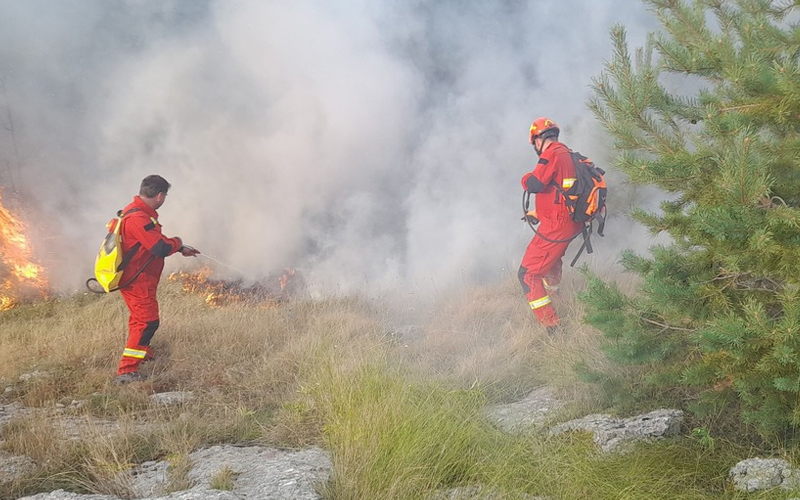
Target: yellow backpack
(110,262)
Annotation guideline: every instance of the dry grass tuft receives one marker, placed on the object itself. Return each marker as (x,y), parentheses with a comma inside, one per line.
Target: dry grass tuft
(399,409)
(487,337)
(224,479)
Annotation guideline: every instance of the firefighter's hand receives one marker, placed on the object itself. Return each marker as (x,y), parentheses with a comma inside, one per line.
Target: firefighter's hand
(531,216)
(188,251)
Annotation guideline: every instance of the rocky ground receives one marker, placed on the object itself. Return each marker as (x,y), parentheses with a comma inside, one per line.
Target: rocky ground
(273,474)
(256,472)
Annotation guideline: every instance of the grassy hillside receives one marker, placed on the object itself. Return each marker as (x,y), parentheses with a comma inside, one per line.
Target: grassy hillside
(395,391)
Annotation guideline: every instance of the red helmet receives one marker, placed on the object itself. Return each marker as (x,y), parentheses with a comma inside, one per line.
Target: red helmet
(543,127)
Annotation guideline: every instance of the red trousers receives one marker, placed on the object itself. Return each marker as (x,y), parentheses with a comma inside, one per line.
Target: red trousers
(140,297)
(540,270)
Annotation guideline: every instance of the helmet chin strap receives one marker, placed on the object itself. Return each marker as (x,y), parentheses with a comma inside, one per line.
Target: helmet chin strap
(539,150)
(544,137)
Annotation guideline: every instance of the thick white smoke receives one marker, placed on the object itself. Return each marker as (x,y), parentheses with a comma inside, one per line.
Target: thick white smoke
(368,143)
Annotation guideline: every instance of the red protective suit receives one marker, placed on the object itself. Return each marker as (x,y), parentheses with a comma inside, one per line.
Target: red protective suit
(540,271)
(140,227)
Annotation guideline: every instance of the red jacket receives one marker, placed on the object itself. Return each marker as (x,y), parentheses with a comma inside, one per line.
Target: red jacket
(555,167)
(140,225)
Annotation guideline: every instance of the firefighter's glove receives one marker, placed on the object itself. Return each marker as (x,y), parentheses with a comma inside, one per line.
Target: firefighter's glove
(188,251)
(531,218)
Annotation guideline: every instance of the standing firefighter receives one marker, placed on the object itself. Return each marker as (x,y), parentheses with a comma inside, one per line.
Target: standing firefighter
(540,271)
(145,247)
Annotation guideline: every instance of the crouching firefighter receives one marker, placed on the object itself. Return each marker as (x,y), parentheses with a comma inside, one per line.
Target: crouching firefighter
(540,270)
(144,247)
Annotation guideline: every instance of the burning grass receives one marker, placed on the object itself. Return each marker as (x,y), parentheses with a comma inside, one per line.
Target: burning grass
(20,278)
(220,292)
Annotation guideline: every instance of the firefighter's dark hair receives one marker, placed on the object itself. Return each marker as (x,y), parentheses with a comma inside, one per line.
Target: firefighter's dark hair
(152,185)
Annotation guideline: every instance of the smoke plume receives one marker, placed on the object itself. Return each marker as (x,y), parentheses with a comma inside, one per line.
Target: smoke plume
(370,144)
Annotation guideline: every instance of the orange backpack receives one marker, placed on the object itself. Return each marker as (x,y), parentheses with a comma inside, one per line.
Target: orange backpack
(586,198)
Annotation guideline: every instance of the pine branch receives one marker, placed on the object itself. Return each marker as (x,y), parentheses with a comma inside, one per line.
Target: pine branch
(665,326)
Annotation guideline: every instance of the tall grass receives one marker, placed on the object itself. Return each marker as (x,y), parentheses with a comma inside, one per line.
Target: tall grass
(392,438)
(395,435)
(401,414)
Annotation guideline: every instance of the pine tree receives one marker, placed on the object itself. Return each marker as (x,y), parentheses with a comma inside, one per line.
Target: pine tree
(717,313)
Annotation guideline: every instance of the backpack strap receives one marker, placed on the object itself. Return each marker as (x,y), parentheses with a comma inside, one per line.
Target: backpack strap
(587,243)
(601,221)
(134,209)
(560,190)
(126,259)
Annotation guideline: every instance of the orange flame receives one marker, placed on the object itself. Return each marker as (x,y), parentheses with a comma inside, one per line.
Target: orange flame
(222,292)
(198,283)
(19,276)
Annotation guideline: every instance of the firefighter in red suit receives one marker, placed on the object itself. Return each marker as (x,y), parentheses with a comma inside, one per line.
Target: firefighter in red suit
(143,240)
(540,271)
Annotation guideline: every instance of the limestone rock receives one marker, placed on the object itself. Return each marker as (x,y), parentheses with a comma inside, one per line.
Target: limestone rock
(34,375)
(611,434)
(65,495)
(14,466)
(172,398)
(526,414)
(756,474)
(263,473)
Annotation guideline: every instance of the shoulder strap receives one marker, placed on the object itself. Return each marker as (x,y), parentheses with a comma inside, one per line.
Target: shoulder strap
(128,256)
(135,248)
